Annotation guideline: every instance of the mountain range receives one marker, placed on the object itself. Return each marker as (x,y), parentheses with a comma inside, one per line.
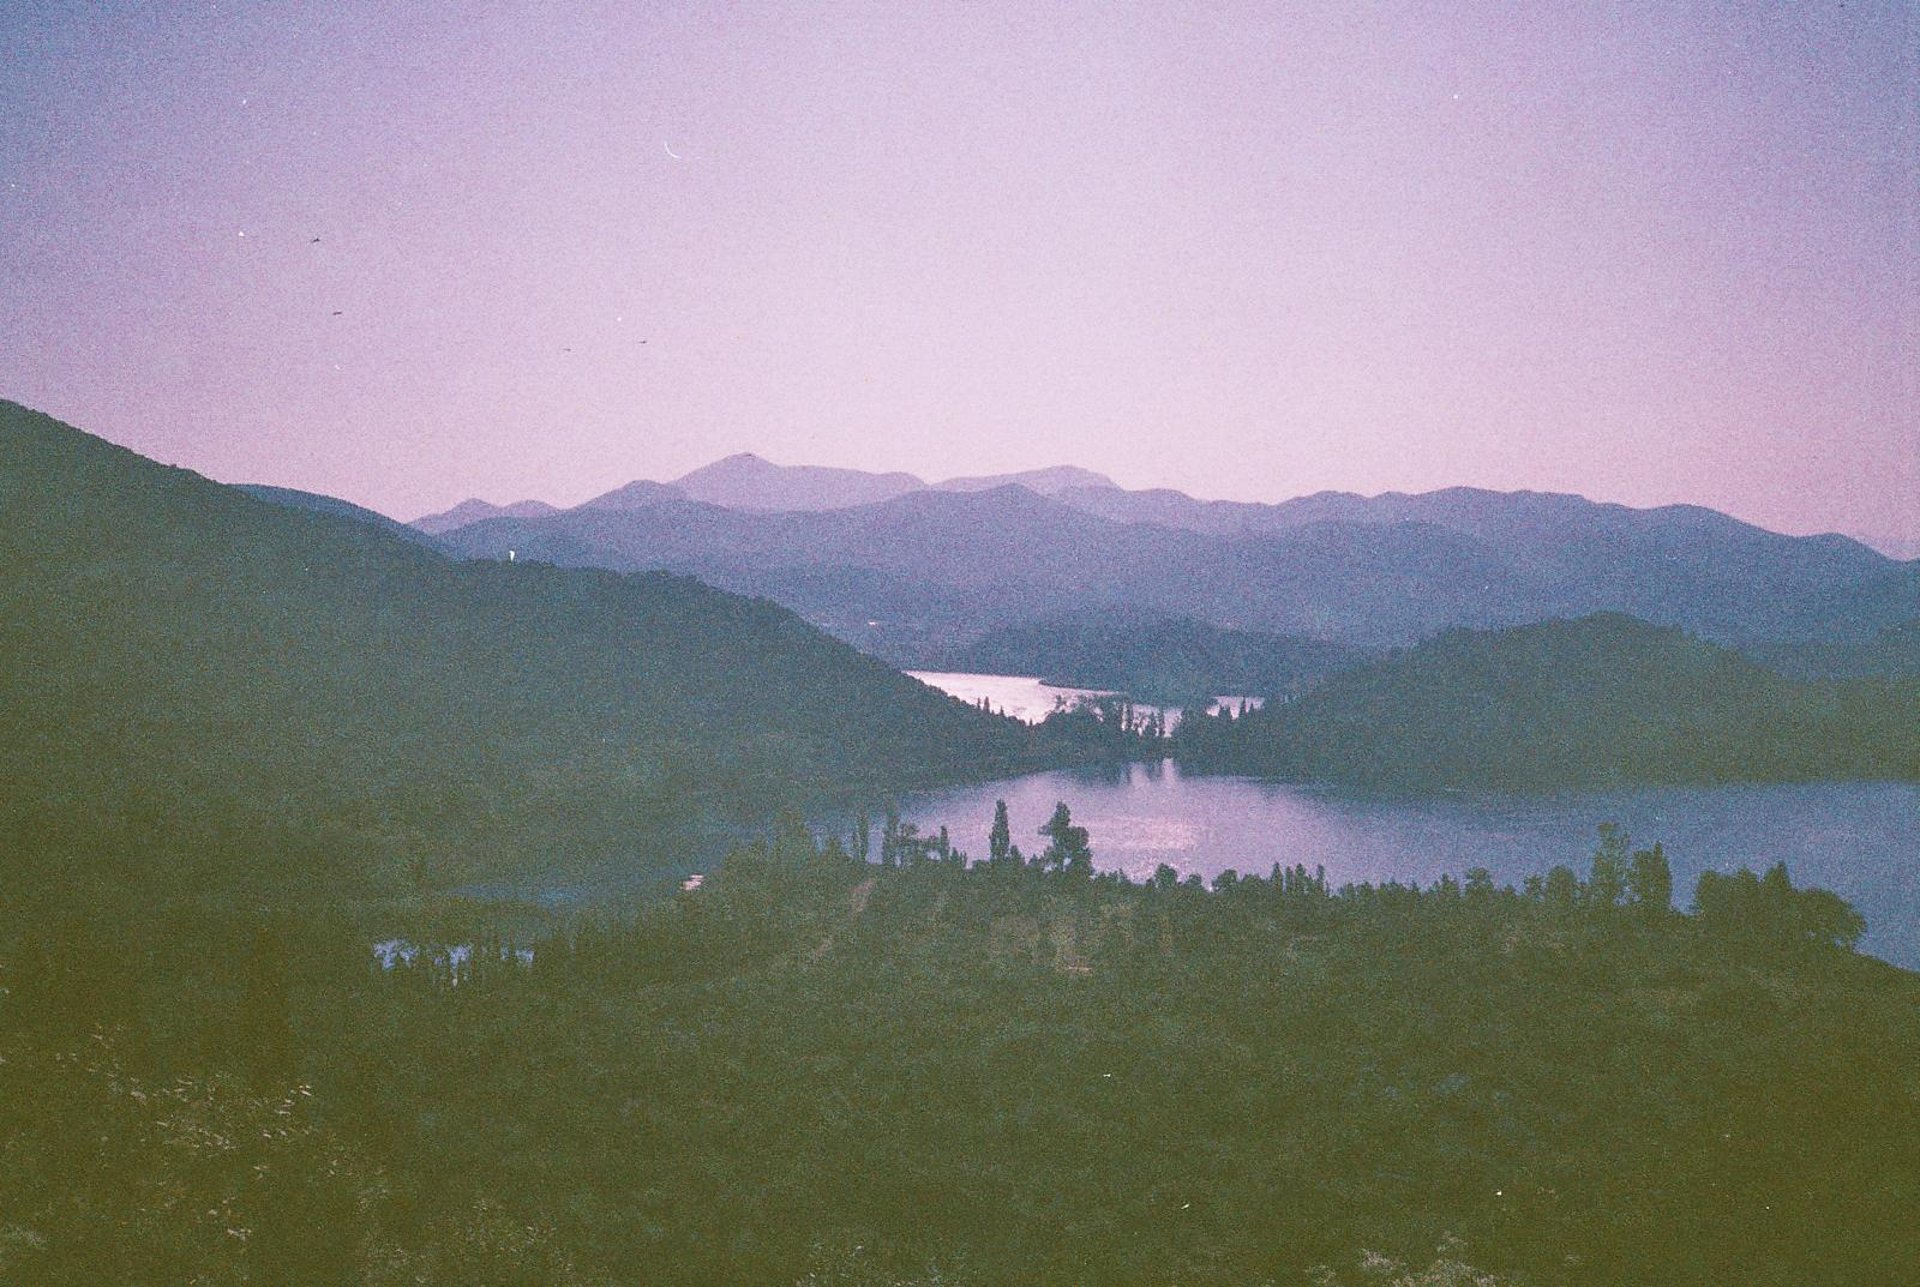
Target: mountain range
(749,482)
(928,570)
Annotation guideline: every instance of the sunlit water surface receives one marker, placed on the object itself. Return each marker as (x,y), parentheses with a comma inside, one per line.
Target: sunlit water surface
(1028,698)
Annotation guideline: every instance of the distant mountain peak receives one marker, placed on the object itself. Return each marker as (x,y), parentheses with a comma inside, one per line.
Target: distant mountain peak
(474,510)
(739,463)
(1046,482)
(747,481)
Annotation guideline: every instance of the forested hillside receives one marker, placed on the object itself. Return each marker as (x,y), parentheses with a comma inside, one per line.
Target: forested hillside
(1601,701)
(197,685)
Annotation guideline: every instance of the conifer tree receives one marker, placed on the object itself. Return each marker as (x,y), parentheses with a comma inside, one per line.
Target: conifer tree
(1608,881)
(1650,881)
(1000,838)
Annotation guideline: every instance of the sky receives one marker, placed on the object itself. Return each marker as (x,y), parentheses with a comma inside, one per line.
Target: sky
(406,254)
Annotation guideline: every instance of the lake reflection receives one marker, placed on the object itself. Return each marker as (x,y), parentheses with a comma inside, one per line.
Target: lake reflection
(1861,839)
(1024,697)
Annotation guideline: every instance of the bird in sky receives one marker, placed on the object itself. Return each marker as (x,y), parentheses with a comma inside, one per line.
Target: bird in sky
(314,242)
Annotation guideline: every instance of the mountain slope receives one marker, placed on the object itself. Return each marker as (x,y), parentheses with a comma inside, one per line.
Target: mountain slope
(901,578)
(915,576)
(1893,653)
(320,503)
(635,495)
(1602,701)
(192,673)
(749,482)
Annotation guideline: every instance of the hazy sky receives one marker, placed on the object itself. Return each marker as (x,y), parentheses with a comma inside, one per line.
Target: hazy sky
(1647,252)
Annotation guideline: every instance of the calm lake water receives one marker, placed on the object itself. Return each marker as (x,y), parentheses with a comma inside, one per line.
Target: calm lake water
(1860,839)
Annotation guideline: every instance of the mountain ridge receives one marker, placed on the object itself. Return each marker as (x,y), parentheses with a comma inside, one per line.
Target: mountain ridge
(475,510)
(910,576)
(1465,508)
(920,574)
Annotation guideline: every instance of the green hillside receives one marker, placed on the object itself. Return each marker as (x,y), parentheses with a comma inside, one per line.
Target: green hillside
(197,683)
(1605,700)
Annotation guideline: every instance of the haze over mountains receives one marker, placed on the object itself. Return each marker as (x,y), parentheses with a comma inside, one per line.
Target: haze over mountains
(746,481)
(914,572)
(473,511)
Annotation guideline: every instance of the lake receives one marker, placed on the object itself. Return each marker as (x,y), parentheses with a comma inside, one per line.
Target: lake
(1030,699)
(1860,839)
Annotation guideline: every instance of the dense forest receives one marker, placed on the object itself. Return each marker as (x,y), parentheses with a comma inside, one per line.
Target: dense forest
(1602,701)
(814,1069)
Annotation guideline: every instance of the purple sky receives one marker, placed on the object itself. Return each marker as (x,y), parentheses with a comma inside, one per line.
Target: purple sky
(1646,253)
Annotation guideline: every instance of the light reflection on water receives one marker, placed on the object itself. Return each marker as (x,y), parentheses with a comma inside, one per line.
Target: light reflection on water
(1861,839)
(1030,700)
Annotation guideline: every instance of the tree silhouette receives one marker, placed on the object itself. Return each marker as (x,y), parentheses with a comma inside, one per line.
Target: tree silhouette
(1000,838)
(1769,912)
(1068,849)
(1650,881)
(1608,883)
